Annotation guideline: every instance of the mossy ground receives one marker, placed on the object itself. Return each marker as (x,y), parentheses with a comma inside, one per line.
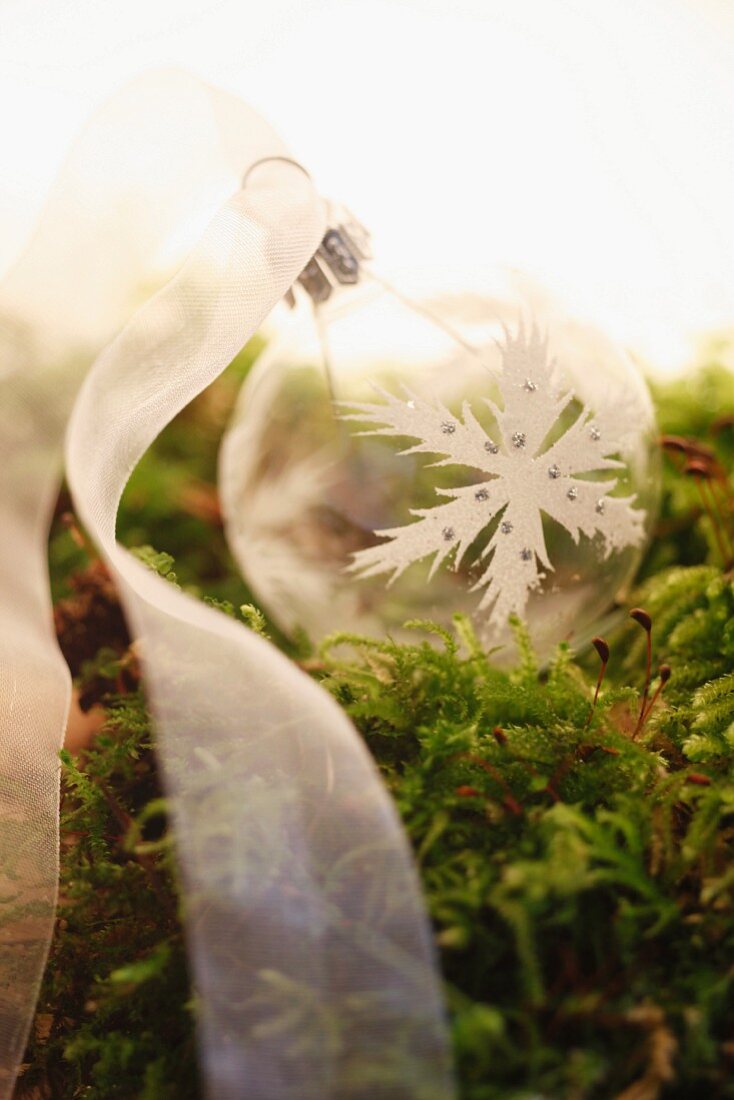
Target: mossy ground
(578,873)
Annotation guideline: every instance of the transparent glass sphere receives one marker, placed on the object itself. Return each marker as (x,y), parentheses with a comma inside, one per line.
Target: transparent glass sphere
(520,442)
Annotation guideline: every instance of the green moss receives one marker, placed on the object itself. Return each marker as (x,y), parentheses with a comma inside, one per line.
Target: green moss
(114,1018)
(577,870)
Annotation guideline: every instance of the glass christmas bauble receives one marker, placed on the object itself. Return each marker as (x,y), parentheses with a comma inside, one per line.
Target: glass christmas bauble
(393,459)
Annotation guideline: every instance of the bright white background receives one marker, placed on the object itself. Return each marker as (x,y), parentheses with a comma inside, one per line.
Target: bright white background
(590,142)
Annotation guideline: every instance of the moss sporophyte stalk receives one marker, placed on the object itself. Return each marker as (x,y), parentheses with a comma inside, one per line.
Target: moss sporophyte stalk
(572,824)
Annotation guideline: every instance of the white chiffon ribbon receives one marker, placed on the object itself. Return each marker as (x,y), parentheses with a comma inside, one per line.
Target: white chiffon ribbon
(310,949)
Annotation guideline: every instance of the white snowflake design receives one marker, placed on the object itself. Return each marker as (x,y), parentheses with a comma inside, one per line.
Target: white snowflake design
(525,478)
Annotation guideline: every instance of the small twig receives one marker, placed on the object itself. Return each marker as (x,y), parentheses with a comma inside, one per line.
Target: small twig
(509,800)
(665,673)
(699,461)
(69,521)
(602,648)
(642,617)
(502,739)
(702,473)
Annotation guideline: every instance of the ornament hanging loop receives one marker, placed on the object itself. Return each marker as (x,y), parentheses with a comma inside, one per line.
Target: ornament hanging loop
(339,258)
(270,160)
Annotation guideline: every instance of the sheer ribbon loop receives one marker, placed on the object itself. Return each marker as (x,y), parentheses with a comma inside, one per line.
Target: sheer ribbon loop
(310,949)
